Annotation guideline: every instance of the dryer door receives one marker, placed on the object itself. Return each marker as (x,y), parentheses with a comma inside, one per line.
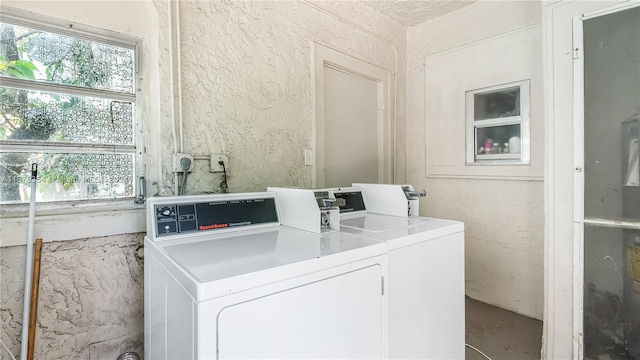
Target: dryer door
(337,317)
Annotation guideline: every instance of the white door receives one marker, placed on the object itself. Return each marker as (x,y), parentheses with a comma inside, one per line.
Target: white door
(565,255)
(353,133)
(351,147)
(607,192)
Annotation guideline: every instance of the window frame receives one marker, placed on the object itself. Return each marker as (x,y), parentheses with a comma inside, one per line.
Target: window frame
(524,120)
(95,34)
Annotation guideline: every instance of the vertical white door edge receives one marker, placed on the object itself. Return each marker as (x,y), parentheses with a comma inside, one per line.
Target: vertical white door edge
(578,187)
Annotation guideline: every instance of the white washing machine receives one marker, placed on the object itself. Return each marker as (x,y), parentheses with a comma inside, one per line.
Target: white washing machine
(426,268)
(224,280)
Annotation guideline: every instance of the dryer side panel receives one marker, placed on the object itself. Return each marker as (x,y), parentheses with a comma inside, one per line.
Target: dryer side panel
(426,299)
(169,314)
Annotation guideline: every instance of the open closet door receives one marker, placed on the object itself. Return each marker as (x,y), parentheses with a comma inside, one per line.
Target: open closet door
(607,186)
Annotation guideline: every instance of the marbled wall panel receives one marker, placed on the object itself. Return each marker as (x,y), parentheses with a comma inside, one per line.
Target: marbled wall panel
(90,299)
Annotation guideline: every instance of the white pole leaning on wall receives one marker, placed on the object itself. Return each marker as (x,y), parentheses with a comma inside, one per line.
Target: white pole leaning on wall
(28,266)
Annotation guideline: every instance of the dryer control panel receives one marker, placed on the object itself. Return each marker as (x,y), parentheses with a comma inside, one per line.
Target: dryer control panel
(172,216)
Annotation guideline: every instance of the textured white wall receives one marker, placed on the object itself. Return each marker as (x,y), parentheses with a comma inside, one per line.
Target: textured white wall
(504,223)
(504,220)
(247,91)
(90,298)
(247,85)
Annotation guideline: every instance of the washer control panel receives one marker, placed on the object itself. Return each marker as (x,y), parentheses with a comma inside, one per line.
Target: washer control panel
(172,218)
(349,200)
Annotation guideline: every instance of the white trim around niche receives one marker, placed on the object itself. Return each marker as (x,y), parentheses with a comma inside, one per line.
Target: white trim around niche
(451,73)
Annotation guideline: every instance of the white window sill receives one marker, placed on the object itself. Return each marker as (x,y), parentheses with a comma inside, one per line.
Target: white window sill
(71,220)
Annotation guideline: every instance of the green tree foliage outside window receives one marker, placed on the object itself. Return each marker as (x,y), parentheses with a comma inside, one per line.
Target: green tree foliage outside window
(66,103)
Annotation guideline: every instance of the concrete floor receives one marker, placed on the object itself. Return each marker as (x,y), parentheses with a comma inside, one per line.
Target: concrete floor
(501,334)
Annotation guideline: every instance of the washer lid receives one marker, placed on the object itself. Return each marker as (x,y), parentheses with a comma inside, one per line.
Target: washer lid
(398,231)
(378,223)
(223,264)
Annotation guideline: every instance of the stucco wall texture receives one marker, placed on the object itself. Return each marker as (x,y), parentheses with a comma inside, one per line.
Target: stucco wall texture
(90,298)
(246,88)
(504,219)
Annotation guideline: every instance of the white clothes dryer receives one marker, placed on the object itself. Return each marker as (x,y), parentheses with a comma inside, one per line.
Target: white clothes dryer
(224,280)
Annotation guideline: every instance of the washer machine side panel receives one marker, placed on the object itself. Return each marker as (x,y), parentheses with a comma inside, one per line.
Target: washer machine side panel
(169,314)
(426,299)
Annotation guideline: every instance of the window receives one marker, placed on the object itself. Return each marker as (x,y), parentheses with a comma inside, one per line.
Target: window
(498,124)
(67,103)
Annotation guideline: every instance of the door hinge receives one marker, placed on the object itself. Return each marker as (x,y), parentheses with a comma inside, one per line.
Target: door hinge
(382,284)
(576,53)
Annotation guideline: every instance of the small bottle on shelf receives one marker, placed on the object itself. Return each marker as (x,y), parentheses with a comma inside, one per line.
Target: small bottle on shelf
(514,145)
(487,147)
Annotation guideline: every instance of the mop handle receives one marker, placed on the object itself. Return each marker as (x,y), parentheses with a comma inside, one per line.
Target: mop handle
(29,263)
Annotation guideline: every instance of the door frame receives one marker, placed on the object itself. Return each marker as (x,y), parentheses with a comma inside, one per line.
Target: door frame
(560,246)
(579,219)
(325,57)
